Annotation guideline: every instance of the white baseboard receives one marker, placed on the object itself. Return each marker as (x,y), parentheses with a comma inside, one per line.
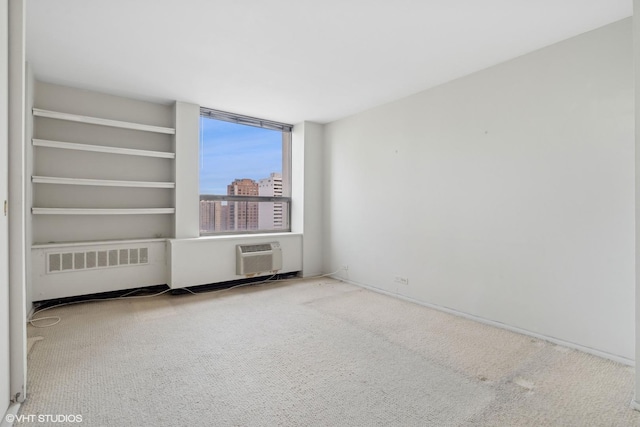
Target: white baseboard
(595,352)
(12,411)
(635,405)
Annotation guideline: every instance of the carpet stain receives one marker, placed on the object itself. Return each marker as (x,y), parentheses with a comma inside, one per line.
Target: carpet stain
(526,384)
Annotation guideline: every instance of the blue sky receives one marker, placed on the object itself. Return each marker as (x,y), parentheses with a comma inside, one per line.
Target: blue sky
(229,151)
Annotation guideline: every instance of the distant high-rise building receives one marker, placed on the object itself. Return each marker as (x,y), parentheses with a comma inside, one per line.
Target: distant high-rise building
(207,215)
(242,215)
(270,214)
(213,216)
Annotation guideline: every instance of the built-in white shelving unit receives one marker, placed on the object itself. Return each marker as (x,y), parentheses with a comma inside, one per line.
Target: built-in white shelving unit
(102,191)
(99,179)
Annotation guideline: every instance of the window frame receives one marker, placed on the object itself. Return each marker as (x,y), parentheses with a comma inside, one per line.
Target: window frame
(286,130)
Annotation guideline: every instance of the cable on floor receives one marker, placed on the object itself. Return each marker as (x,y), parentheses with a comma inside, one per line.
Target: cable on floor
(31,320)
(129,295)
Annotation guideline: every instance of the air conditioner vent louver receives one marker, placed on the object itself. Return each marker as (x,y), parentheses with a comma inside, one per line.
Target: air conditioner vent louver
(255,248)
(258,258)
(64,262)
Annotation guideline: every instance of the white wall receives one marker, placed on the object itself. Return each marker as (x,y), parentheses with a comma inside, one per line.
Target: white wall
(17,206)
(4,247)
(29,100)
(636,43)
(186,175)
(507,194)
(306,193)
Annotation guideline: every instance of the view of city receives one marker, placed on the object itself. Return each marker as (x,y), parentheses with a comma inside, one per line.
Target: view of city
(239,160)
(242,216)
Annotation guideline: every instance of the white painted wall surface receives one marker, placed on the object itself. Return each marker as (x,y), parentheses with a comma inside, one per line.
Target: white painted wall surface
(207,260)
(17,205)
(636,58)
(187,170)
(4,239)
(507,194)
(297,177)
(306,189)
(30,85)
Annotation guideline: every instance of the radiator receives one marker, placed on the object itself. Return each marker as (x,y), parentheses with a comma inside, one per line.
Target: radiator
(60,262)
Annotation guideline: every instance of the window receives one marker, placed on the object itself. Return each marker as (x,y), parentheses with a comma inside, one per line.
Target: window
(245,178)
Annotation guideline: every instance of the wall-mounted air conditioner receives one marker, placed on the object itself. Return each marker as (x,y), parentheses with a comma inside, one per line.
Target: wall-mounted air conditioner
(258,258)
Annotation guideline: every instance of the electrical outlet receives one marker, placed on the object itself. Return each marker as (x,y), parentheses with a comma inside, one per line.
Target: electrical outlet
(345,267)
(401,280)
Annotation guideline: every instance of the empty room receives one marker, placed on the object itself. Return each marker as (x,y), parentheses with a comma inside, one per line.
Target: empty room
(409,213)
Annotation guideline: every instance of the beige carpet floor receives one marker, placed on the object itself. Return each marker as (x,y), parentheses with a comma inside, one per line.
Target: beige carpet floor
(309,353)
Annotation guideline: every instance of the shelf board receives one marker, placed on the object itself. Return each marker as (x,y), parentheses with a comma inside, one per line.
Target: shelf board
(101,149)
(101,182)
(102,122)
(84,211)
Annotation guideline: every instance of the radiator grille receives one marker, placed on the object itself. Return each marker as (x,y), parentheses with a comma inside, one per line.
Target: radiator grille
(61,262)
(113,257)
(102,258)
(92,262)
(67,261)
(78,260)
(124,256)
(54,263)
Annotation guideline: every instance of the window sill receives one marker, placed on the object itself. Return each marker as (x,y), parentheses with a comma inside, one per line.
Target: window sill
(247,236)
